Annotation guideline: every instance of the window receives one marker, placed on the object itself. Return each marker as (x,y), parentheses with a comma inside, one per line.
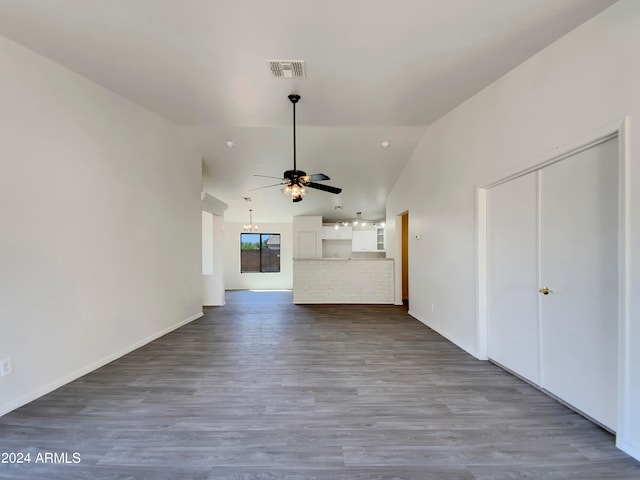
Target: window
(259,252)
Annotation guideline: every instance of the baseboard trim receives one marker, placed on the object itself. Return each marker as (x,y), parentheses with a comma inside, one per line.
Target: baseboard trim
(629,449)
(50,387)
(470,351)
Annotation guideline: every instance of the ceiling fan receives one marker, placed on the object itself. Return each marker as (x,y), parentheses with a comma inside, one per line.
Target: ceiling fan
(296,181)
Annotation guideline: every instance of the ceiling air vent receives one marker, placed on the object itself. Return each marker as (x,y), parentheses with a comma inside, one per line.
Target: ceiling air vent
(287,68)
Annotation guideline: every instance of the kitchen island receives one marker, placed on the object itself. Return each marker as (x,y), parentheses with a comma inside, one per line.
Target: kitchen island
(343,280)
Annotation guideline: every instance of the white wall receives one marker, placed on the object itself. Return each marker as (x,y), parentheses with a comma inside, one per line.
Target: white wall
(212,250)
(212,260)
(213,283)
(234,280)
(586,80)
(101,225)
(207,244)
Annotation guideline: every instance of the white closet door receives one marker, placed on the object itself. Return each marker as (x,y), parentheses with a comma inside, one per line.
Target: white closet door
(513,333)
(579,264)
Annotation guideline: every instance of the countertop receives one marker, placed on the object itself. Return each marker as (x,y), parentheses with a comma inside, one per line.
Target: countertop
(334,259)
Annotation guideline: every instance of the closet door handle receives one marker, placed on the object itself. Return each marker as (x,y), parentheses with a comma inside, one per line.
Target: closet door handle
(544,291)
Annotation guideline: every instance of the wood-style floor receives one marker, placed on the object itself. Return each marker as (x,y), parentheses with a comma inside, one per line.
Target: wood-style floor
(263,389)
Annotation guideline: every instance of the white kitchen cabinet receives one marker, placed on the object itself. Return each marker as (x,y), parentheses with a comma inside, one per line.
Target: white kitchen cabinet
(364,241)
(380,239)
(330,232)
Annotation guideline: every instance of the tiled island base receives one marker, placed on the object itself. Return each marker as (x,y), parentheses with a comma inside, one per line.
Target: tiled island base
(343,281)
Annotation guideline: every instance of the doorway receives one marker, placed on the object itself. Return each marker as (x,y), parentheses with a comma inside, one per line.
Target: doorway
(401,268)
(405,259)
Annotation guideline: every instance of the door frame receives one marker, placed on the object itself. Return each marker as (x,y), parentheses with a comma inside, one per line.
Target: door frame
(399,255)
(621,131)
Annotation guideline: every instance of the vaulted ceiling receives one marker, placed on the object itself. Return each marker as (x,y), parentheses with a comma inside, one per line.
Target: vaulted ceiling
(376,70)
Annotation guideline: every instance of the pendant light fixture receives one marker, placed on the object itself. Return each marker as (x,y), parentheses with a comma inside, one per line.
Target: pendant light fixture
(250,227)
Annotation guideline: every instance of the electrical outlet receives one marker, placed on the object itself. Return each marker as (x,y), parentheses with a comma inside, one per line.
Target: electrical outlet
(433,308)
(5,367)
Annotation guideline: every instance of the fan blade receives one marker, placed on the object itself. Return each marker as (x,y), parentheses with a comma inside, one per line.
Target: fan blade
(267,186)
(267,176)
(318,176)
(325,188)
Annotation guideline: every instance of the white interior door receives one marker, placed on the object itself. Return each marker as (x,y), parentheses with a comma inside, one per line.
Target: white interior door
(513,333)
(579,264)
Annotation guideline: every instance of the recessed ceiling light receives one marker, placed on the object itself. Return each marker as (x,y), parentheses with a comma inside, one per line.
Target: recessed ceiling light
(229,144)
(385,144)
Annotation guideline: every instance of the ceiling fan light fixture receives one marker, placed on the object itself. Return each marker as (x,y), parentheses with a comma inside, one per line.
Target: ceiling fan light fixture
(295,192)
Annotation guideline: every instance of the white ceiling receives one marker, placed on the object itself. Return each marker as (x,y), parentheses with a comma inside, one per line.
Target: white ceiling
(376,70)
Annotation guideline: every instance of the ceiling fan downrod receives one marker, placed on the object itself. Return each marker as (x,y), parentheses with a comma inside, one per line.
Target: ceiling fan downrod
(295,181)
(294,99)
